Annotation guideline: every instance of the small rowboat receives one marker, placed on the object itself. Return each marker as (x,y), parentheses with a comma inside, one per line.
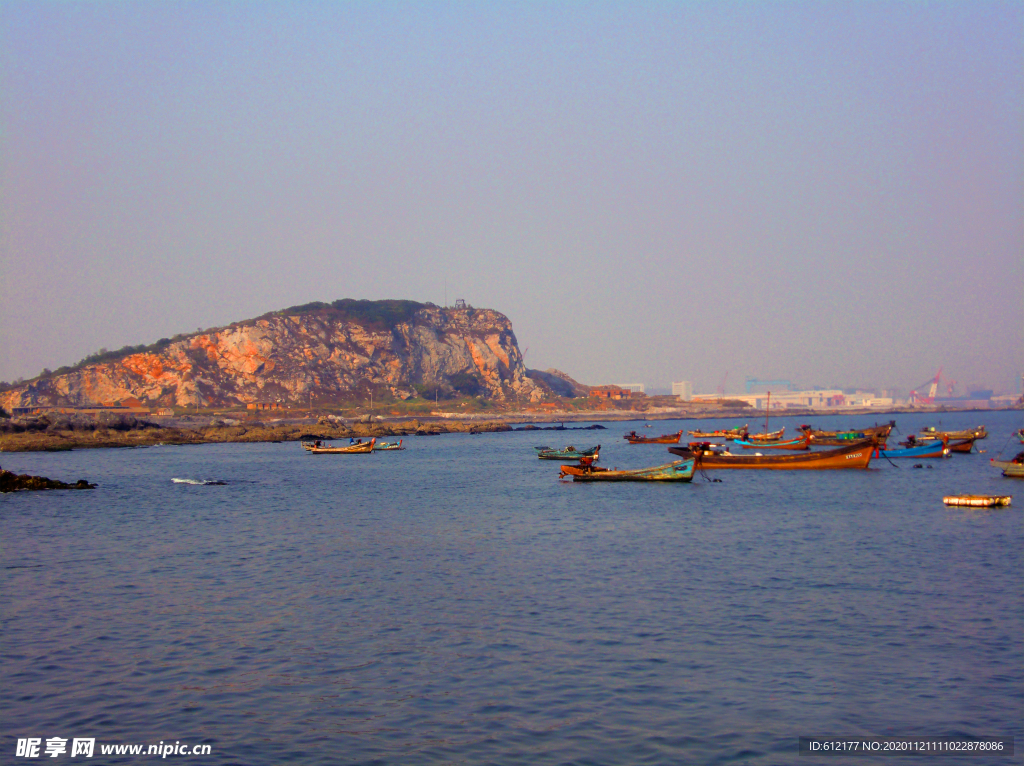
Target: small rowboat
(802,442)
(634,438)
(678,470)
(569,453)
(387,446)
(978,501)
(353,449)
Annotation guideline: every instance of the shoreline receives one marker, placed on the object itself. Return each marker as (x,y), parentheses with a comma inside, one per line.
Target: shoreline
(200,430)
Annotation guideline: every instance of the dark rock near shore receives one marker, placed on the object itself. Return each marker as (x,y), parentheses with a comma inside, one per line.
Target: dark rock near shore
(12,482)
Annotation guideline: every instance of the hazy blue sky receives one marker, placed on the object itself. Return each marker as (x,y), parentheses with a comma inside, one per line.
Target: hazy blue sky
(831,192)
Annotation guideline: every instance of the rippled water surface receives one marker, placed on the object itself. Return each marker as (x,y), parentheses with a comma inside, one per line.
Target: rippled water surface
(455,603)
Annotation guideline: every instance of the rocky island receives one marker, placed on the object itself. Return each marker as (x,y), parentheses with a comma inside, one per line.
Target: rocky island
(327,353)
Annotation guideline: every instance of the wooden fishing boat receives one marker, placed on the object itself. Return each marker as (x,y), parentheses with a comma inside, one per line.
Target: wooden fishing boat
(952,444)
(364,448)
(677,470)
(840,438)
(801,442)
(935,448)
(961,445)
(774,436)
(1013,468)
(570,453)
(634,438)
(388,446)
(980,432)
(978,501)
(856,455)
(728,433)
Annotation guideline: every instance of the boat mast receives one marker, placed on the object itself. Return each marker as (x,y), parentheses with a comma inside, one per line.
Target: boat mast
(767,411)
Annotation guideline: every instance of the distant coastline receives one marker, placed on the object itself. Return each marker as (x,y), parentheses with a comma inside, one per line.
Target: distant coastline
(197,429)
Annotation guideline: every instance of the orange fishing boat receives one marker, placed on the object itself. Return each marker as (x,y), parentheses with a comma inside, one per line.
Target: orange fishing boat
(856,455)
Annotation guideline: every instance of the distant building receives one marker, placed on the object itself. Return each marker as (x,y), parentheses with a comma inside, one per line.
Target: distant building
(825,399)
(610,392)
(636,388)
(683,389)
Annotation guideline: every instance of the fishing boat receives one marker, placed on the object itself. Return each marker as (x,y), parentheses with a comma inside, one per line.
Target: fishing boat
(963,445)
(569,453)
(362,448)
(634,438)
(774,436)
(930,432)
(728,433)
(388,446)
(1014,468)
(801,442)
(978,501)
(839,438)
(677,470)
(856,455)
(937,448)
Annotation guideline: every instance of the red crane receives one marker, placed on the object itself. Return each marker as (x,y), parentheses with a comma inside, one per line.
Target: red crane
(933,386)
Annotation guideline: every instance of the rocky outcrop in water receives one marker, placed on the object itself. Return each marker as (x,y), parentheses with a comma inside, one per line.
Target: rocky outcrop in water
(344,351)
(12,482)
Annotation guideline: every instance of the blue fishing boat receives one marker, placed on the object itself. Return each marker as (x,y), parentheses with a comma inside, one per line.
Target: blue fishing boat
(937,448)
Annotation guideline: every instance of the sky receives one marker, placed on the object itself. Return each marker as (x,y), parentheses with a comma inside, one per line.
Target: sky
(826,192)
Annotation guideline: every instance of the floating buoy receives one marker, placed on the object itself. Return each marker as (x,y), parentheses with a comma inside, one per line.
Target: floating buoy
(978,501)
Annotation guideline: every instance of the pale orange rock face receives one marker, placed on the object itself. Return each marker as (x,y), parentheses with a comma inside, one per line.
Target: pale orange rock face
(288,359)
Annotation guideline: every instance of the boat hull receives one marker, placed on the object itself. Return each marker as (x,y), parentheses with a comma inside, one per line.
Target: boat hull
(731,433)
(856,455)
(774,436)
(568,455)
(678,470)
(663,439)
(842,438)
(937,448)
(1014,470)
(356,449)
(804,442)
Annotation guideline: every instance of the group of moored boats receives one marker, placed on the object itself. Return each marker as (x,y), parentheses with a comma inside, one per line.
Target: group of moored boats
(852,449)
(847,450)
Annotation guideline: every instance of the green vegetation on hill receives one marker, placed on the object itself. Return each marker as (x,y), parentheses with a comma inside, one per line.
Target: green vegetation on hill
(377,315)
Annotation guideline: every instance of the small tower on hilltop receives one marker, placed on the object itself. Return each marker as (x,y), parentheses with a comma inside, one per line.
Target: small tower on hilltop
(460,303)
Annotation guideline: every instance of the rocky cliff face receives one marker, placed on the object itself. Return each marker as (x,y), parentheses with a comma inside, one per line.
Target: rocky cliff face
(288,357)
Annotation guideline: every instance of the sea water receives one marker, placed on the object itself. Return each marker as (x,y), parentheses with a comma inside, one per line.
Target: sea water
(455,603)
